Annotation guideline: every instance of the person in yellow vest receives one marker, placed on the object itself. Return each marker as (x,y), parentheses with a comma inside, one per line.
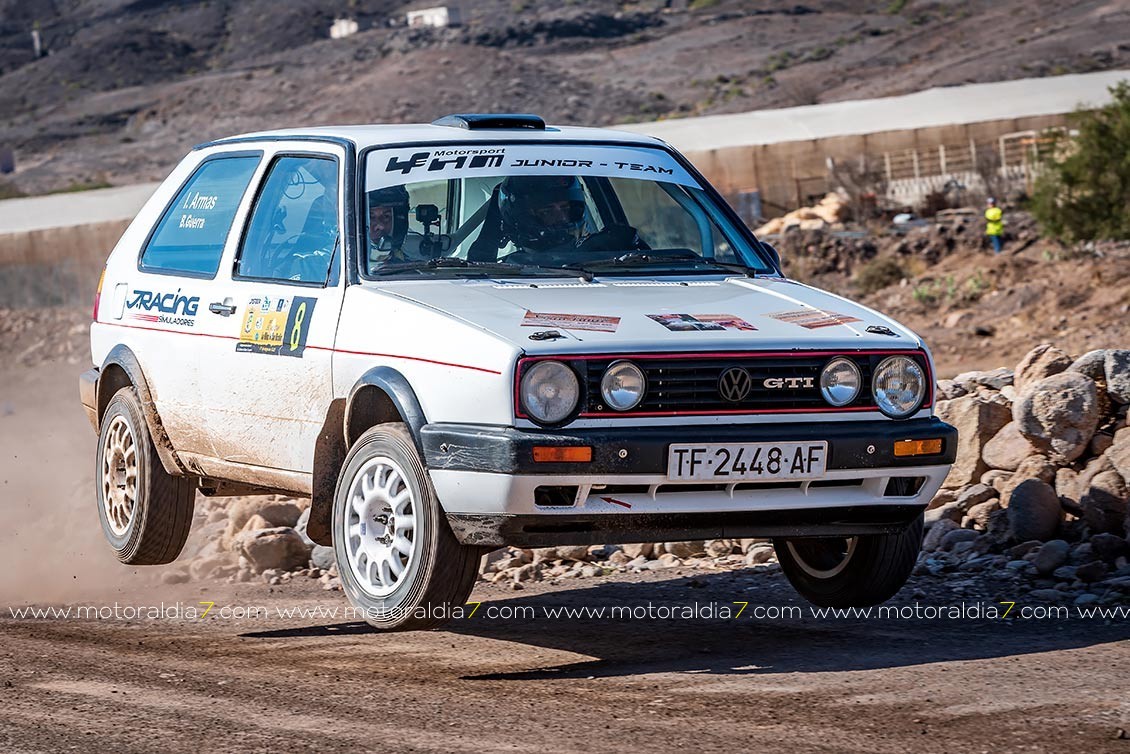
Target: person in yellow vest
(994,224)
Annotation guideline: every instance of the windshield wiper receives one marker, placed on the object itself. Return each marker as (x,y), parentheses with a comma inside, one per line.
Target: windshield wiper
(458,263)
(644,259)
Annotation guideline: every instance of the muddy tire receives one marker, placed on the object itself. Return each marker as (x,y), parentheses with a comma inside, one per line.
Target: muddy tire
(400,564)
(850,572)
(145,512)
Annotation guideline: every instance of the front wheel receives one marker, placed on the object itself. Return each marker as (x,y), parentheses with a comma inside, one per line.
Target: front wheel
(850,571)
(400,564)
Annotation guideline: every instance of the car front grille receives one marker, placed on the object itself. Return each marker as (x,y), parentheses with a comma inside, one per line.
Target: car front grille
(691,383)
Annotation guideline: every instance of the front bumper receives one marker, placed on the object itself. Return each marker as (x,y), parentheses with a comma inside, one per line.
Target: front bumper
(495,493)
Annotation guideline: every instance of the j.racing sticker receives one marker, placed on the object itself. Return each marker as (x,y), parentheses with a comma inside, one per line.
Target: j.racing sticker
(276,326)
(165,308)
(699,322)
(594,322)
(813,318)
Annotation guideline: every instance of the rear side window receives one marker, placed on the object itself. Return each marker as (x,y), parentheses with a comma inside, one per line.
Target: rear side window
(190,237)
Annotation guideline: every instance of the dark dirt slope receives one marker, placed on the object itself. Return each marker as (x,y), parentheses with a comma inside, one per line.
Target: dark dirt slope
(130,86)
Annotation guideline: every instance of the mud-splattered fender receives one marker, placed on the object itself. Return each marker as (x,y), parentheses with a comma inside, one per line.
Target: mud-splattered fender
(381,395)
(122,359)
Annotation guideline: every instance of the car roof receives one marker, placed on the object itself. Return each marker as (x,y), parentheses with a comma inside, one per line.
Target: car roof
(363,136)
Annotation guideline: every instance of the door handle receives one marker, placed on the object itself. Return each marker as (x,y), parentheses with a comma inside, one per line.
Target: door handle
(223,309)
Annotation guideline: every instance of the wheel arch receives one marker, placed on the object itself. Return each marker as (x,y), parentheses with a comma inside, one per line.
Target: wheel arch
(380,395)
(119,369)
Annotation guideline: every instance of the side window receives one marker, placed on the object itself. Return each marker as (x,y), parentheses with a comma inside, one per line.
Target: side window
(190,238)
(293,229)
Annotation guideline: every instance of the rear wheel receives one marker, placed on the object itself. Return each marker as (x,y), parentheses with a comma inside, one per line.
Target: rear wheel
(145,512)
(399,562)
(850,571)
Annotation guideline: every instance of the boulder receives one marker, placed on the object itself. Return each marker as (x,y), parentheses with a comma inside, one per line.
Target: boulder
(1033,511)
(974,495)
(1051,556)
(717,548)
(948,512)
(1116,366)
(996,478)
(275,512)
(1007,448)
(956,536)
(1032,467)
(1042,361)
(322,557)
(641,550)
(577,553)
(942,497)
(1104,502)
(977,421)
(759,554)
(1100,443)
(279,547)
(933,539)
(1067,484)
(685,549)
(1108,547)
(1118,454)
(1090,364)
(979,514)
(1059,414)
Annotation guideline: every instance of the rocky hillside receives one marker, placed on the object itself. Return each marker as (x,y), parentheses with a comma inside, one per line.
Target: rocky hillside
(129,85)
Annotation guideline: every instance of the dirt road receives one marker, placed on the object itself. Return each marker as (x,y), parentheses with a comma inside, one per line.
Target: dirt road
(316,680)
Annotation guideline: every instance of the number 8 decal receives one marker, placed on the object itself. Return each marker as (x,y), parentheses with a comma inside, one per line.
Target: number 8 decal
(296,335)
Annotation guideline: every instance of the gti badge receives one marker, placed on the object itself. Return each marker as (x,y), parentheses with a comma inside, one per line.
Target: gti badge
(792,383)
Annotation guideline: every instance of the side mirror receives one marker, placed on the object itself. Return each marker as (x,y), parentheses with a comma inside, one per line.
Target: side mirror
(774,255)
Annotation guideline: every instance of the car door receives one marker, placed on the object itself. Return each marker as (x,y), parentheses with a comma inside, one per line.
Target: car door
(161,306)
(269,384)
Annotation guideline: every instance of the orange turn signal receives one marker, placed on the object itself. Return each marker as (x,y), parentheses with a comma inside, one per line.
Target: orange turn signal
(918,447)
(562,454)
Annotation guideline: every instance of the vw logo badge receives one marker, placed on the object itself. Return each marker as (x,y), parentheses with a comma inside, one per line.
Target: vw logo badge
(735,384)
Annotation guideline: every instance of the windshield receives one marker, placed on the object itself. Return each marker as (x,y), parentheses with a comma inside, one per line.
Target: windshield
(539,209)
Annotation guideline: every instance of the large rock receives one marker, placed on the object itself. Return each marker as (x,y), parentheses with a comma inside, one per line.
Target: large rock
(276,512)
(1104,502)
(1042,361)
(1033,511)
(685,549)
(1051,556)
(996,478)
(638,550)
(1118,454)
(976,421)
(1033,467)
(1007,448)
(1059,414)
(280,547)
(1090,364)
(1117,369)
(1067,484)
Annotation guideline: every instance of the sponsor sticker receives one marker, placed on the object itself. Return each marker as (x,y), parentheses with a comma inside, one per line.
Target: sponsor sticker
(278,332)
(392,167)
(813,318)
(593,322)
(162,307)
(698,322)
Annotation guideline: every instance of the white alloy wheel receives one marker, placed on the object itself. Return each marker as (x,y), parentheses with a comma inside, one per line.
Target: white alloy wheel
(119,475)
(823,561)
(381,526)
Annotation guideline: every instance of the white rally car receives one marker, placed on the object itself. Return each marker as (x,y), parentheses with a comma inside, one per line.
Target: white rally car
(488,331)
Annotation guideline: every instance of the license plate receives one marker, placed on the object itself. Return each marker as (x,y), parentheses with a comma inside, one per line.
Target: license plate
(748,461)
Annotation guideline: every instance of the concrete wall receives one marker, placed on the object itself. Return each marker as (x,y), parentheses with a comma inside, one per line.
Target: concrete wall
(55,266)
(786,173)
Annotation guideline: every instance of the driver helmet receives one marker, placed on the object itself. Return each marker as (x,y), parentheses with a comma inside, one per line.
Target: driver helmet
(388,218)
(541,211)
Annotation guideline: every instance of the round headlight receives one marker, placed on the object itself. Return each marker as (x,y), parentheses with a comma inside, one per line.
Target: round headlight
(622,385)
(899,385)
(840,381)
(549,391)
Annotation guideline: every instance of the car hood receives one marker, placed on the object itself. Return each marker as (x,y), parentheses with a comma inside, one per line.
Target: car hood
(658,314)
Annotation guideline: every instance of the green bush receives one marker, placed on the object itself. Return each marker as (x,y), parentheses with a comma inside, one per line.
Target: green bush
(878,274)
(1083,191)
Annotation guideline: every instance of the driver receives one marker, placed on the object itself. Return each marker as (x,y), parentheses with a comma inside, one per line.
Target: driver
(388,226)
(541,212)
(544,217)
